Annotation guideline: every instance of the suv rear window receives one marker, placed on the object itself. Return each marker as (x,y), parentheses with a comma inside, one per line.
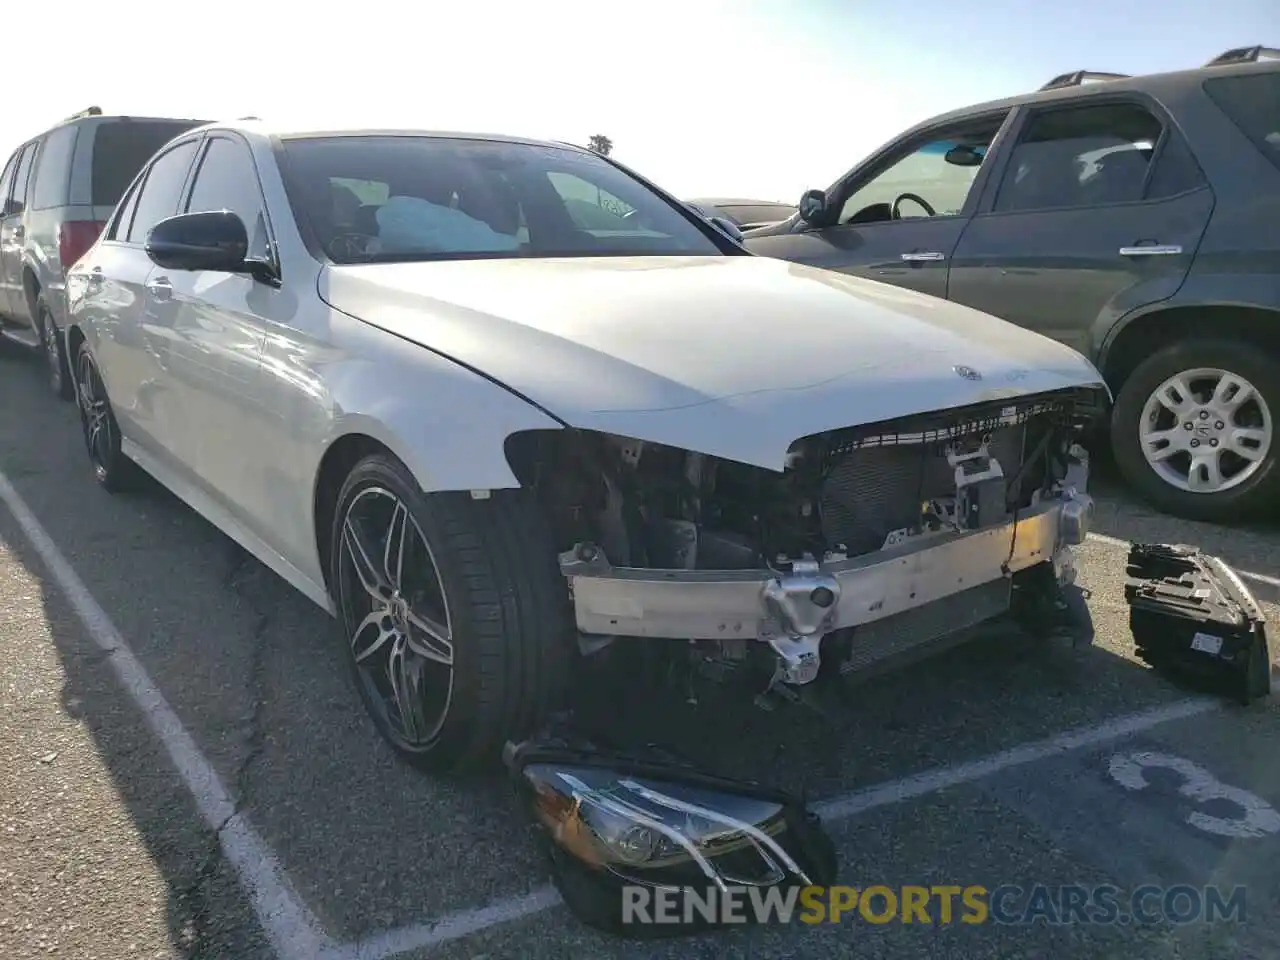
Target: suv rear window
(120,149)
(1252,101)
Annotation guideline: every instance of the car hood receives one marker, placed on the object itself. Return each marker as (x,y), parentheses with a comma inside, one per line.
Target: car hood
(736,357)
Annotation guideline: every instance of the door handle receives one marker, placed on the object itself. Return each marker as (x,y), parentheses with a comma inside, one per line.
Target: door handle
(923,257)
(160,288)
(1151,250)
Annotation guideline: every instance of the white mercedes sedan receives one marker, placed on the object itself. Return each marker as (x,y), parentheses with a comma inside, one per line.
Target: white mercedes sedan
(500,406)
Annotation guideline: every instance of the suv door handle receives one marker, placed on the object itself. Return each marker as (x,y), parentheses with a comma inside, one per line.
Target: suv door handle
(160,288)
(1151,250)
(923,257)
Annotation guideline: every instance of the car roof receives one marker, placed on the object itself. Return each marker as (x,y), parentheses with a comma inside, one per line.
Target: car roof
(263,128)
(1142,83)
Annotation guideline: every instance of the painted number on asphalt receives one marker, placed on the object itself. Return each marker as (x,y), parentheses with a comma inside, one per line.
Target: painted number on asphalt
(1198,784)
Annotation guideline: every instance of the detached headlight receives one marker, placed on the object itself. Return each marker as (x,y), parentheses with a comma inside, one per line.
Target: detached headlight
(617,822)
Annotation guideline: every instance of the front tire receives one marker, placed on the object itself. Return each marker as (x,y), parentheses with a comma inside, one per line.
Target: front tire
(53,347)
(455,615)
(112,470)
(1194,430)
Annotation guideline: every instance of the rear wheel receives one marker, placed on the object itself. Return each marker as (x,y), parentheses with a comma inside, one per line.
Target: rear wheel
(1194,429)
(111,468)
(53,346)
(455,615)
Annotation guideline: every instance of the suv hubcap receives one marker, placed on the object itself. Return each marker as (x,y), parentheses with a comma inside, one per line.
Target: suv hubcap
(1205,430)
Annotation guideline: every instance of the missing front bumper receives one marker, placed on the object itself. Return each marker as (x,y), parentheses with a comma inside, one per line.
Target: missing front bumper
(792,610)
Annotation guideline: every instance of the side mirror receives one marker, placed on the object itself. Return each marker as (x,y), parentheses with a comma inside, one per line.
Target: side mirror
(216,240)
(812,204)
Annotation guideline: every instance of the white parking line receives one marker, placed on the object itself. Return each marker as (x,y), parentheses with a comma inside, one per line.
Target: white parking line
(1245,574)
(294,932)
(464,923)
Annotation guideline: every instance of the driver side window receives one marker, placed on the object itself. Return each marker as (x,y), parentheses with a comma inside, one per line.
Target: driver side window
(932,179)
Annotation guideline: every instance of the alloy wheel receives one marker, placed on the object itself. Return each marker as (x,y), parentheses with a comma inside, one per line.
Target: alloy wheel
(95,415)
(1206,430)
(397,617)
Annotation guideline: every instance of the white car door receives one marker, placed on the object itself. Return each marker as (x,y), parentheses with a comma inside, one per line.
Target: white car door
(215,323)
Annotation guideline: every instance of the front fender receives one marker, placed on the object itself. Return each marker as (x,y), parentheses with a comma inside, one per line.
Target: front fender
(448,423)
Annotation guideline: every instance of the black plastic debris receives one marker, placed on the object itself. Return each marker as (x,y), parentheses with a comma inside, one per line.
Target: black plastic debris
(1192,616)
(625,828)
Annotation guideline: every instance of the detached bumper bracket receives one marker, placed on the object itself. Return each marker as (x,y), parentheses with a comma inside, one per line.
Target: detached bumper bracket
(1191,614)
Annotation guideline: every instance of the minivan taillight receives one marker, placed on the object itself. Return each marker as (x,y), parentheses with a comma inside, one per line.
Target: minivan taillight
(75,237)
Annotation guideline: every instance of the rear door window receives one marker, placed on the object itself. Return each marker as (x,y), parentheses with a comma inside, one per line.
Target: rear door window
(1252,101)
(53,169)
(1081,157)
(121,148)
(162,190)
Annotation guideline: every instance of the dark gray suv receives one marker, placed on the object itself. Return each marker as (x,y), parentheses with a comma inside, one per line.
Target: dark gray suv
(1136,219)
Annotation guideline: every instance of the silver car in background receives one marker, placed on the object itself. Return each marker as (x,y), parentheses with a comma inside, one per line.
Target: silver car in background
(56,192)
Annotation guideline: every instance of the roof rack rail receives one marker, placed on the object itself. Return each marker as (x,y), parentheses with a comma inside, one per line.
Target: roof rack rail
(1078,77)
(87,112)
(1244,55)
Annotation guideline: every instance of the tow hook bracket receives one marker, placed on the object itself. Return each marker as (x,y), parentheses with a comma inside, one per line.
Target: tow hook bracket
(802,606)
(1192,616)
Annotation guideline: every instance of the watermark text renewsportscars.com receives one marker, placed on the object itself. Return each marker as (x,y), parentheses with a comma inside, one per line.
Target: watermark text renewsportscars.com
(1053,905)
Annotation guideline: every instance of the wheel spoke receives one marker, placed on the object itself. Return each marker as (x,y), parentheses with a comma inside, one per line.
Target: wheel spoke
(1204,475)
(1249,443)
(1231,393)
(404,671)
(361,558)
(371,635)
(1175,395)
(393,552)
(430,639)
(1162,444)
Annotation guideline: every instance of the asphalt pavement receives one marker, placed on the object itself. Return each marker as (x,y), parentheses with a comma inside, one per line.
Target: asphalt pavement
(185,771)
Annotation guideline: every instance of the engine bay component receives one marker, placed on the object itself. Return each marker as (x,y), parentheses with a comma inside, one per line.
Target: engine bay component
(1191,614)
(622,827)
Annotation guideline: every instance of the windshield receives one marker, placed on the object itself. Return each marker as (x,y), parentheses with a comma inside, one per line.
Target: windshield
(382,199)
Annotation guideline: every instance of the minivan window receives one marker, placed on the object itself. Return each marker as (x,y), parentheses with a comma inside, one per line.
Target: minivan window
(6,181)
(54,169)
(121,148)
(1252,101)
(21,177)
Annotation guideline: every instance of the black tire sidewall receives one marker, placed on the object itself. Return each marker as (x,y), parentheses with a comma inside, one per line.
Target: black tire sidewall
(1258,367)
(455,733)
(57,372)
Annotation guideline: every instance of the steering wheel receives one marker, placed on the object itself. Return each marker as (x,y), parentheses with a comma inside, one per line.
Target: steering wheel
(896,214)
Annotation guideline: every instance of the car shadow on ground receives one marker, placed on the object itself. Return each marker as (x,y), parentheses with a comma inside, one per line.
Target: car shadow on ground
(255,673)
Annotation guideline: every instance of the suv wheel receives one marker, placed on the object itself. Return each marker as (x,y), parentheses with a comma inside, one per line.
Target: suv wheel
(1194,429)
(54,350)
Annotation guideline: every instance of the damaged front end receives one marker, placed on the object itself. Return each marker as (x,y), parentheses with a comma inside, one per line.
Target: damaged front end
(873,542)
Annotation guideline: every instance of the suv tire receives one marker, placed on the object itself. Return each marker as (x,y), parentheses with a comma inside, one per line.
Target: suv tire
(1210,372)
(53,347)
